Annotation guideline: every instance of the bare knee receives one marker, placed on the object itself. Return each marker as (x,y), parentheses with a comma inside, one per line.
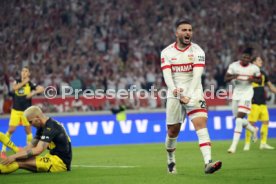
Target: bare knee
(11,129)
(173,130)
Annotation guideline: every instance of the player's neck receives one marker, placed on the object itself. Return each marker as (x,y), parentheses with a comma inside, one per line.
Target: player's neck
(182,46)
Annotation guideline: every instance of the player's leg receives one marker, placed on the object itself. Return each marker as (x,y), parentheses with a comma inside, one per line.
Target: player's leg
(13,123)
(7,142)
(198,116)
(174,114)
(27,164)
(238,128)
(28,128)
(253,117)
(244,108)
(47,163)
(6,169)
(264,128)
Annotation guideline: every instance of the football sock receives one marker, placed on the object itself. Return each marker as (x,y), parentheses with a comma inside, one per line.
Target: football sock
(6,169)
(264,133)
(170,146)
(247,136)
(7,142)
(4,147)
(237,132)
(29,138)
(204,144)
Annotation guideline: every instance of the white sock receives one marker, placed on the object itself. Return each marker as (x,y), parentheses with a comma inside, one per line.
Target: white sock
(237,132)
(204,144)
(170,146)
(248,126)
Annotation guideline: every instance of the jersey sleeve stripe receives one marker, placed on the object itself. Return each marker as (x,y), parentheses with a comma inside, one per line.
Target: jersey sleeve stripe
(165,67)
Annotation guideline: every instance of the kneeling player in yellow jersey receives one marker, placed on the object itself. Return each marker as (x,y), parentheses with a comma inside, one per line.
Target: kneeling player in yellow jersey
(259,111)
(7,142)
(50,134)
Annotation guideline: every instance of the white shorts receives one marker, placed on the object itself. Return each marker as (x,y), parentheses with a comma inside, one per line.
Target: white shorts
(176,112)
(241,106)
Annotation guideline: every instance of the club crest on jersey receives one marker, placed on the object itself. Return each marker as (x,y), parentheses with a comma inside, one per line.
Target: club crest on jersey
(162,60)
(191,57)
(182,67)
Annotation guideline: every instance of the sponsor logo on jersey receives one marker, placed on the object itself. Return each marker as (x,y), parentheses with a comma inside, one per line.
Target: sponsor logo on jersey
(182,67)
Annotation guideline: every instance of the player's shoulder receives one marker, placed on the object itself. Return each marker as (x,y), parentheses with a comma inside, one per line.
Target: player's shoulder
(197,48)
(255,67)
(235,64)
(168,49)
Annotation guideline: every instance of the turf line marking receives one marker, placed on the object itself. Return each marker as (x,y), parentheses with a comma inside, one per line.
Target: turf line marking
(105,166)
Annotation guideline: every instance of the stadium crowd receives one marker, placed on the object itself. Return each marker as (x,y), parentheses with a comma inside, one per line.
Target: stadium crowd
(114,44)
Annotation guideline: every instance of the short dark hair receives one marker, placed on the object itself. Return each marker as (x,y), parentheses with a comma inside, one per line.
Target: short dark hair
(178,23)
(253,59)
(248,51)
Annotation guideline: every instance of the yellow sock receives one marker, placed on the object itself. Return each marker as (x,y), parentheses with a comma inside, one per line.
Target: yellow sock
(264,133)
(29,137)
(6,169)
(4,147)
(247,136)
(7,142)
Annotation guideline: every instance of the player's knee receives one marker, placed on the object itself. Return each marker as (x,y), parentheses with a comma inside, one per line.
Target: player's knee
(173,132)
(11,130)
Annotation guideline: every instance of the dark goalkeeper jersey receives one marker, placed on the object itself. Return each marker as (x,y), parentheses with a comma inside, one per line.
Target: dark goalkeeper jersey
(60,143)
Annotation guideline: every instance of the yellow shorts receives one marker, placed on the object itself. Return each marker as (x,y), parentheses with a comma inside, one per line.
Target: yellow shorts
(258,113)
(49,163)
(17,118)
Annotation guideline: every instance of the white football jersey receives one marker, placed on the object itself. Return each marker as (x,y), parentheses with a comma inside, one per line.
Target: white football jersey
(243,88)
(181,63)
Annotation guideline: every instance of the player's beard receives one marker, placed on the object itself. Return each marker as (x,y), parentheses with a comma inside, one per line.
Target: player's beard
(183,42)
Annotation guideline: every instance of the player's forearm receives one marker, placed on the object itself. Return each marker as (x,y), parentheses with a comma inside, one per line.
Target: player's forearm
(167,73)
(38,90)
(271,87)
(25,154)
(18,86)
(229,77)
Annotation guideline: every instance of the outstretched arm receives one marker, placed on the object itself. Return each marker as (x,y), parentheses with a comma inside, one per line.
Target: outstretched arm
(41,146)
(271,87)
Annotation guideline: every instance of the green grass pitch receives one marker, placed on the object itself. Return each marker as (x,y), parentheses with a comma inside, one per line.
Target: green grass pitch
(146,164)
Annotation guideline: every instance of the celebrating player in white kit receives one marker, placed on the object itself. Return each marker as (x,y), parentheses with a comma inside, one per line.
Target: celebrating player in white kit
(243,73)
(182,64)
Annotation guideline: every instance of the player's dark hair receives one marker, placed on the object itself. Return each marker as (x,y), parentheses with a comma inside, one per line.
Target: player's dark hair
(178,23)
(248,51)
(253,59)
